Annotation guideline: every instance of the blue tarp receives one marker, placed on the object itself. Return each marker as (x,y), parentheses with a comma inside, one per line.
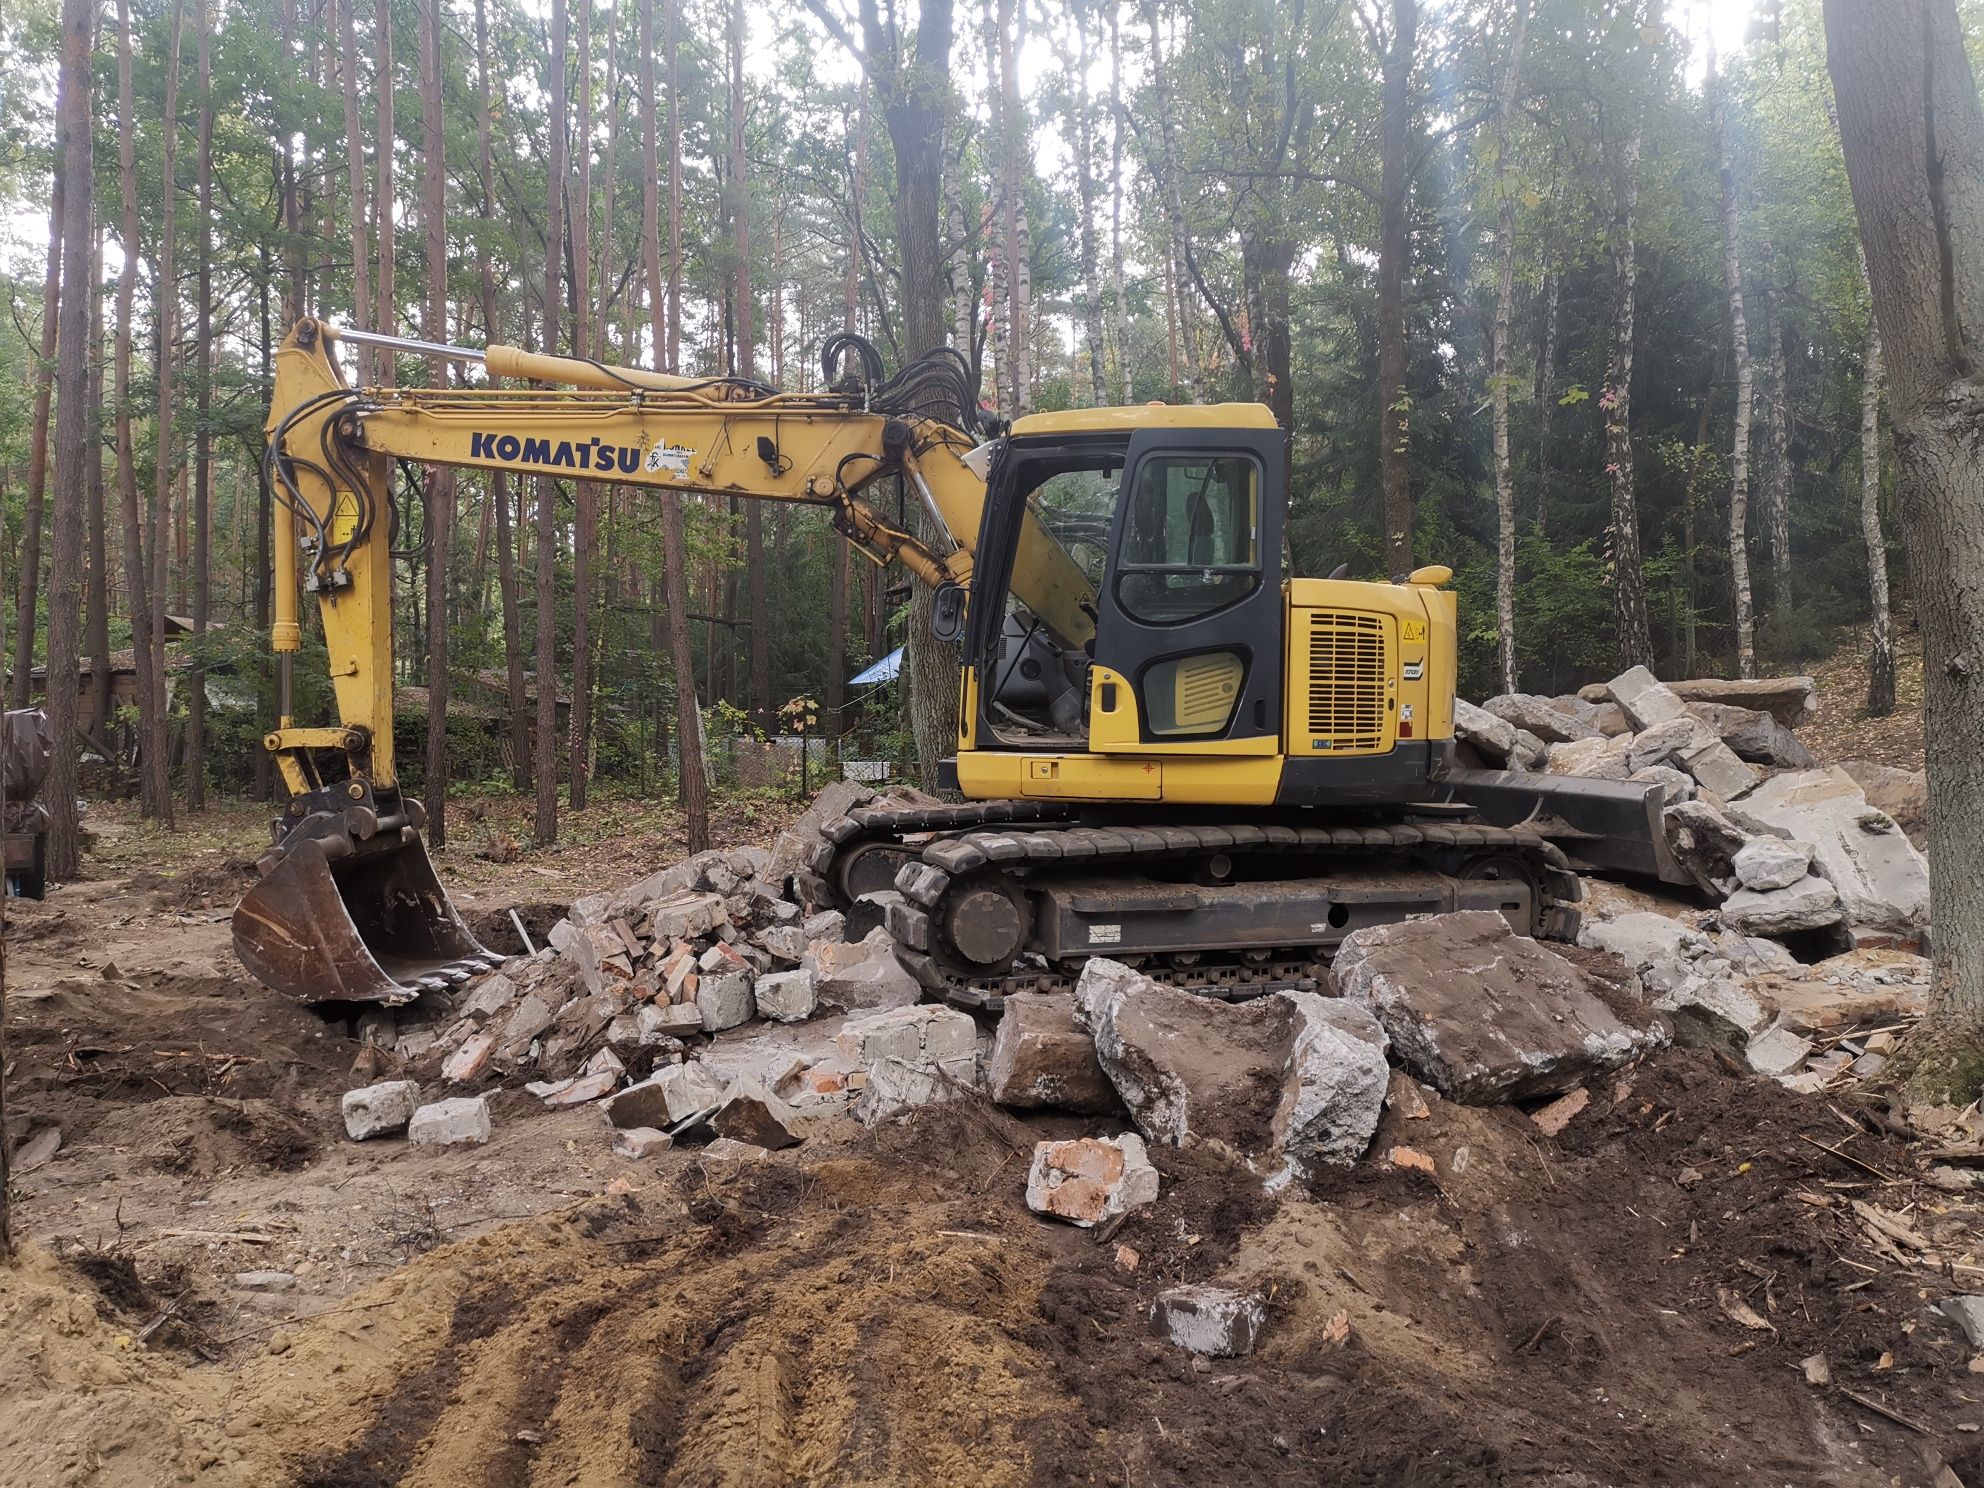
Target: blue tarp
(885,670)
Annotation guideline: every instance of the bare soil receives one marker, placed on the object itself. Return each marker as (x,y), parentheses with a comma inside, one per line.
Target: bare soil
(1626,1303)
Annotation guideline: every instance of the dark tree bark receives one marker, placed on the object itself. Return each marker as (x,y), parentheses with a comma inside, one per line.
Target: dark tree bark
(546,826)
(585,495)
(75,420)
(1913,136)
(747,366)
(1880,661)
(354,147)
(1616,409)
(1546,394)
(1498,377)
(154,785)
(382,190)
(28,581)
(1395,165)
(203,434)
(664,308)
(96,607)
(440,479)
(166,311)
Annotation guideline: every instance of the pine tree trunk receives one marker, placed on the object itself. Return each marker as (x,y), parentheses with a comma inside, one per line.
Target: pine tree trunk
(383,300)
(671,48)
(1498,377)
(1012,206)
(1394,417)
(1777,433)
(692,782)
(747,366)
(203,436)
(1615,406)
(354,148)
(74,422)
(546,620)
(1118,308)
(1084,148)
(29,579)
(154,786)
(1739,450)
(166,312)
(440,478)
(585,495)
(1912,133)
(96,612)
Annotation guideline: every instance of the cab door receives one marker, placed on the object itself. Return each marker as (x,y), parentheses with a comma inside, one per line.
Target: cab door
(1189,622)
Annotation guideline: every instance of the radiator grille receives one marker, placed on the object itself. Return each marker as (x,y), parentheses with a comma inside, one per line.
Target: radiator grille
(1346,682)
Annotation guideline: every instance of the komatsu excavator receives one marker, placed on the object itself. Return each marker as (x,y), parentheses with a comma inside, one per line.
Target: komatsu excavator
(1172,751)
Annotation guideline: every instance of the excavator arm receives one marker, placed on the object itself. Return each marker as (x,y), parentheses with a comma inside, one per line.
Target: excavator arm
(348,906)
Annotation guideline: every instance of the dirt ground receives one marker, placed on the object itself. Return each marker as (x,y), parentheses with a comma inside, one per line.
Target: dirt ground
(1627,1303)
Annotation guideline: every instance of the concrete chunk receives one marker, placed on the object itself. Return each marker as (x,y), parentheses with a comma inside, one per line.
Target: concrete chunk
(673,1093)
(1211,1320)
(1339,1075)
(1766,863)
(470,1061)
(1092,1179)
(379,1110)
(1494,737)
(1705,843)
(896,1088)
(1777,1051)
(857,975)
(1790,700)
(1809,904)
(638,1142)
(725,1001)
(787,996)
(1599,758)
(1756,736)
(914,1035)
(1967,1312)
(1040,1058)
(1645,699)
(1483,1015)
(461,1121)
(1882,880)
(1541,717)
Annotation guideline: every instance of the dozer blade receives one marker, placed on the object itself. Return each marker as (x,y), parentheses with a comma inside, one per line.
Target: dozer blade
(364,922)
(1608,826)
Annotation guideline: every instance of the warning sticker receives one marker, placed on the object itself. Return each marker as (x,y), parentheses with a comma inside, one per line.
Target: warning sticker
(1105,934)
(669,459)
(1412,630)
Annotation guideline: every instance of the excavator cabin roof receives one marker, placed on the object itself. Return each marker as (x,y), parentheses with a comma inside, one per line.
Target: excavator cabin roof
(1146,416)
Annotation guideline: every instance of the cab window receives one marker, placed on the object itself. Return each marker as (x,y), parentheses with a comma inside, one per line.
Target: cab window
(1191,537)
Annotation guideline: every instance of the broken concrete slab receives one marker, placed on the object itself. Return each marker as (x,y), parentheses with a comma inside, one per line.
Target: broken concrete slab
(379,1110)
(672,1094)
(1902,794)
(1598,758)
(1486,1016)
(1211,1320)
(729,1149)
(1665,742)
(1679,785)
(869,913)
(1882,880)
(1648,703)
(914,1035)
(1644,940)
(854,976)
(1809,904)
(1340,1077)
(1967,1312)
(1790,700)
(1541,717)
(1530,752)
(1766,863)
(1645,699)
(750,1118)
(640,1142)
(1192,1069)
(1754,735)
(1092,1179)
(1777,1051)
(1041,1059)
(1715,1012)
(464,1120)
(725,1001)
(490,996)
(787,996)
(1705,843)
(896,1088)
(1494,737)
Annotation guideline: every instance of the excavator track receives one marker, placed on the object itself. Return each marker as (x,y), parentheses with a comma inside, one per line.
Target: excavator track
(1001,897)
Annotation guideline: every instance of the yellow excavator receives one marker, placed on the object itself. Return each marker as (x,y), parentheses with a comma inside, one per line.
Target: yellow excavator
(1171,750)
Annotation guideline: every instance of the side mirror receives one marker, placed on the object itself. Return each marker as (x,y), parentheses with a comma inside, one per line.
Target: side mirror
(947,612)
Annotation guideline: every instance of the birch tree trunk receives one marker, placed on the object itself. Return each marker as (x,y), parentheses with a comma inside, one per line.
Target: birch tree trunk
(1616,408)
(692,784)
(1394,417)
(1912,133)
(1013,157)
(1084,148)
(1739,338)
(1880,665)
(1498,377)
(1118,307)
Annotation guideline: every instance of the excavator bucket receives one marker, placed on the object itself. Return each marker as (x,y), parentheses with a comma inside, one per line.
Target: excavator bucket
(336,921)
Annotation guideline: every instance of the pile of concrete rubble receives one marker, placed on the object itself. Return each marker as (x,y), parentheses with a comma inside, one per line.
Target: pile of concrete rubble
(1784,846)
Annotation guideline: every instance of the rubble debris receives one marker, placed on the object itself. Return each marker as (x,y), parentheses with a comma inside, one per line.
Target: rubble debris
(1211,1320)
(1766,863)
(1540,717)
(265,1281)
(1754,735)
(641,1141)
(927,1036)
(1413,1160)
(673,1093)
(1809,904)
(1494,737)
(36,1149)
(896,1088)
(725,1001)
(1276,1082)
(794,846)
(1599,758)
(1648,702)
(1040,1058)
(1484,1015)
(1705,843)
(1679,785)
(1967,1312)
(1091,1179)
(1883,882)
(729,1149)
(856,975)
(470,1060)
(786,996)
(1340,1079)
(1777,1051)
(1715,1011)
(1902,794)
(580,1089)
(1553,1118)
(1790,700)
(464,1119)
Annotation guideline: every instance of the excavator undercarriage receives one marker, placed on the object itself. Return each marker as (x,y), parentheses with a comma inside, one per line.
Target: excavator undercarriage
(999,897)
